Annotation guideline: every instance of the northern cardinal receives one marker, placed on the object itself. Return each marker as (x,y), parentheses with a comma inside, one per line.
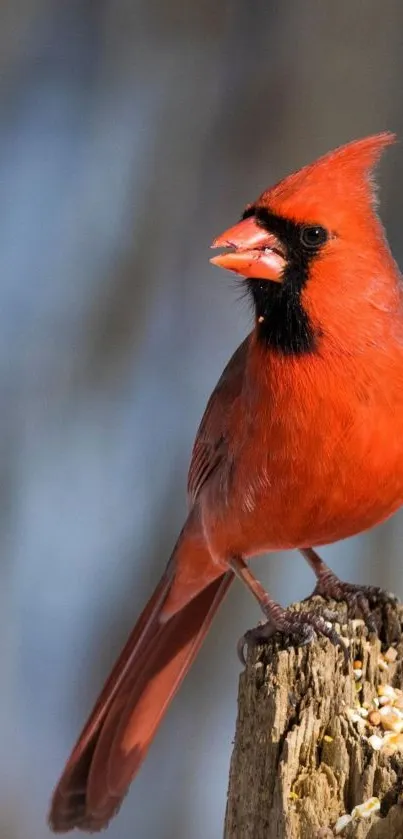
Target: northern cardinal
(301,445)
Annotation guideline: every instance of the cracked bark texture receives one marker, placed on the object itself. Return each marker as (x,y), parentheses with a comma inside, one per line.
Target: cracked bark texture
(298,761)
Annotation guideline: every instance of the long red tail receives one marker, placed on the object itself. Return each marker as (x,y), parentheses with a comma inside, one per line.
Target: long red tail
(134,699)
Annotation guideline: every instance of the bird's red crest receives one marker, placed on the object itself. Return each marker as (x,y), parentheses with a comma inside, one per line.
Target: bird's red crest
(329,181)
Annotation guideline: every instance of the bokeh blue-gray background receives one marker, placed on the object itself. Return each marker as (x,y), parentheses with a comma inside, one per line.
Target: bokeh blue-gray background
(131,133)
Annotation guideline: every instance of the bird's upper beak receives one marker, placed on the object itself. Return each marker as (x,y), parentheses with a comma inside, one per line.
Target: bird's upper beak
(254,251)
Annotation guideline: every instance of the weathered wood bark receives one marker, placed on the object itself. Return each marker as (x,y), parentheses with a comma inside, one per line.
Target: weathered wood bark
(299,761)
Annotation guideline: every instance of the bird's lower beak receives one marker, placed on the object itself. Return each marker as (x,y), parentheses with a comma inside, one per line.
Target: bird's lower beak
(254,252)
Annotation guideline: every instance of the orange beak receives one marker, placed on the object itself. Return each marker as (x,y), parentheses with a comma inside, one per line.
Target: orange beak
(255,252)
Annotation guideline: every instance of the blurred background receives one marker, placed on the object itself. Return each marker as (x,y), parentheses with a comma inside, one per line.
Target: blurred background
(131,133)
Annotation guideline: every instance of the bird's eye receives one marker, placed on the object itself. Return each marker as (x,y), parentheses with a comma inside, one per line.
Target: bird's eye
(313,237)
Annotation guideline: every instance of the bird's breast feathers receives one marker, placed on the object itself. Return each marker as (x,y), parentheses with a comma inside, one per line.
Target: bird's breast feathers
(320,456)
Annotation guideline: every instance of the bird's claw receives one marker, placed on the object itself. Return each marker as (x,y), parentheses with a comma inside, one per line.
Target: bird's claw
(297,628)
(360,600)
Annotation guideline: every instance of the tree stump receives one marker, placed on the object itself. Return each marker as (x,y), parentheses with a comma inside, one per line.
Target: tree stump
(304,751)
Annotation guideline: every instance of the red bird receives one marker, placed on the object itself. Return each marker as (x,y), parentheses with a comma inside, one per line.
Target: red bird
(301,445)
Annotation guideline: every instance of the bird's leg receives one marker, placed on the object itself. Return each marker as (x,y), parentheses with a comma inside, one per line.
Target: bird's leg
(299,627)
(359,599)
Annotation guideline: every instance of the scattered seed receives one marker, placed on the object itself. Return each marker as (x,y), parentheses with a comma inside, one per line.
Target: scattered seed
(328,739)
(357,665)
(374,717)
(393,741)
(365,810)
(387,690)
(382,664)
(391,719)
(341,823)
(376,742)
(357,674)
(391,655)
